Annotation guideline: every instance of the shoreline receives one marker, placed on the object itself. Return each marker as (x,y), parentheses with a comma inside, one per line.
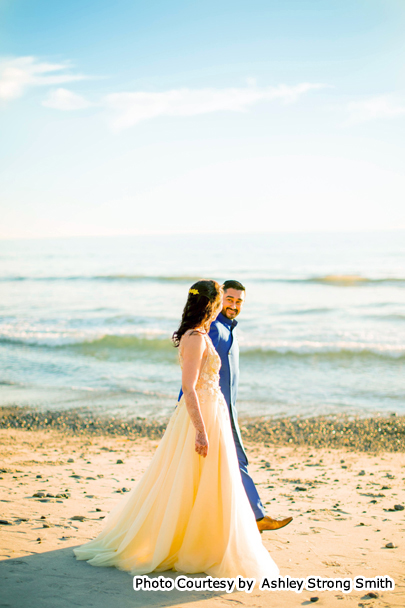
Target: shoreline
(382,433)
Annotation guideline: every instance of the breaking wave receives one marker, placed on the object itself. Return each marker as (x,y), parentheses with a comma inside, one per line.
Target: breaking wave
(161,342)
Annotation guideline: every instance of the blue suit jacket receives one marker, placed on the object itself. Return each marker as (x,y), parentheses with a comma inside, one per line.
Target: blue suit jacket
(226,345)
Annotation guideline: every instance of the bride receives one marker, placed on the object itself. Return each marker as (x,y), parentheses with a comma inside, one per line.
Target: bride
(189,512)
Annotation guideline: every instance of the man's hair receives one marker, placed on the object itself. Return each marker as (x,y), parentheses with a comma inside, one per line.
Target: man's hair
(233,285)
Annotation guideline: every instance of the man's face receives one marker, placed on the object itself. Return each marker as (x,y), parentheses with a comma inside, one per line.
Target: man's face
(232,303)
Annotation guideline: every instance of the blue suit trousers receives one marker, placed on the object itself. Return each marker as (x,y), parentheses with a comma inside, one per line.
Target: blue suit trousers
(247,481)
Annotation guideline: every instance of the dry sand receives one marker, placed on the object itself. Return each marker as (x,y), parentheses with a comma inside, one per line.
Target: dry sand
(343,504)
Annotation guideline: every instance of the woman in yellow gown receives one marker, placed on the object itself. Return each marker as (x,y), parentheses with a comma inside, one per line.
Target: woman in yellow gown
(189,512)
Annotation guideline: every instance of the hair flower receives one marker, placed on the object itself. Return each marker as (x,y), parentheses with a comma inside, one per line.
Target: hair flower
(194,291)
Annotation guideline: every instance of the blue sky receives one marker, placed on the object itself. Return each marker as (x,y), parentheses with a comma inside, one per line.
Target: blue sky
(136,117)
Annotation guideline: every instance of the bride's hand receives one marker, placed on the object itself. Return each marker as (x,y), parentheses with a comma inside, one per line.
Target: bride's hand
(201,443)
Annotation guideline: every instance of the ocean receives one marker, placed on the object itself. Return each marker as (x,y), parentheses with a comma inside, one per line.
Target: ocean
(86,322)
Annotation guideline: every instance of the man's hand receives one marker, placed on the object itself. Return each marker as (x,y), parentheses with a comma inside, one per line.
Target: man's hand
(201,443)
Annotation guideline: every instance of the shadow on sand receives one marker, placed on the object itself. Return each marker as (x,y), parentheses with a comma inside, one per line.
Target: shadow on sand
(57,580)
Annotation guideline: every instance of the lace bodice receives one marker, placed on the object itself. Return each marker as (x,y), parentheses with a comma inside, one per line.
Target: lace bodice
(209,374)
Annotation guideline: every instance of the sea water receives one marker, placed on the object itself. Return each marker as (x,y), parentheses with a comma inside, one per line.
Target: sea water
(86,322)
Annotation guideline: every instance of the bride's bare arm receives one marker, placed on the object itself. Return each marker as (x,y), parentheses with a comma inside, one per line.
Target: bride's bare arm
(193,347)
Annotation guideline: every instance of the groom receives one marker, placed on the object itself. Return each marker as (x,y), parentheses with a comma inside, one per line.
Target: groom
(222,336)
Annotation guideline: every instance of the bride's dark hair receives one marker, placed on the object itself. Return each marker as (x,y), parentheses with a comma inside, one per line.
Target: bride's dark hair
(202,306)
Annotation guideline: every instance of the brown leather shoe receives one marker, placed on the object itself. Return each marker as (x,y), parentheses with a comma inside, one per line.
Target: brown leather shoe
(268,523)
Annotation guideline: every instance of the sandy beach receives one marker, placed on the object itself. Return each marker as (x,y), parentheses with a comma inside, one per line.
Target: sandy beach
(57,485)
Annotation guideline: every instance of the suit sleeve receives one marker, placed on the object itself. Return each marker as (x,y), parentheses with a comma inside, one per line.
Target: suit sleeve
(214,334)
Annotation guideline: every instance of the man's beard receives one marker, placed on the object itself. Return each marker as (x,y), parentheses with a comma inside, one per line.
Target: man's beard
(233,313)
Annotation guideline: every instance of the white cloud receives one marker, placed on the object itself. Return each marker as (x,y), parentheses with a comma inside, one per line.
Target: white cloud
(17,74)
(131,108)
(63,99)
(374,108)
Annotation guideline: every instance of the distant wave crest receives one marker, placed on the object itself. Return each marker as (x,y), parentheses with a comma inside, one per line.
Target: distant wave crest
(108,278)
(351,280)
(337,280)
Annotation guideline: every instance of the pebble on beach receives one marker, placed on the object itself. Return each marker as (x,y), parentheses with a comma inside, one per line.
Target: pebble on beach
(78,517)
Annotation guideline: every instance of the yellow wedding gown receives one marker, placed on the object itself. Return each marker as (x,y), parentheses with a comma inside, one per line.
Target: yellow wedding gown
(187,513)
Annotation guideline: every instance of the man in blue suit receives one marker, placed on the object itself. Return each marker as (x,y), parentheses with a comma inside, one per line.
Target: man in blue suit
(226,344)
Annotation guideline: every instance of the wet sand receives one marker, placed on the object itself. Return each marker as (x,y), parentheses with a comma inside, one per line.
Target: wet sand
(58,483)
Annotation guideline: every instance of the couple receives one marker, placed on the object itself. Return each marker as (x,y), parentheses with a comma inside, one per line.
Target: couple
(190,512)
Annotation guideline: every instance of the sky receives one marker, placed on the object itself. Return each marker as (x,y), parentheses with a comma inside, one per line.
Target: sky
(131,117)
